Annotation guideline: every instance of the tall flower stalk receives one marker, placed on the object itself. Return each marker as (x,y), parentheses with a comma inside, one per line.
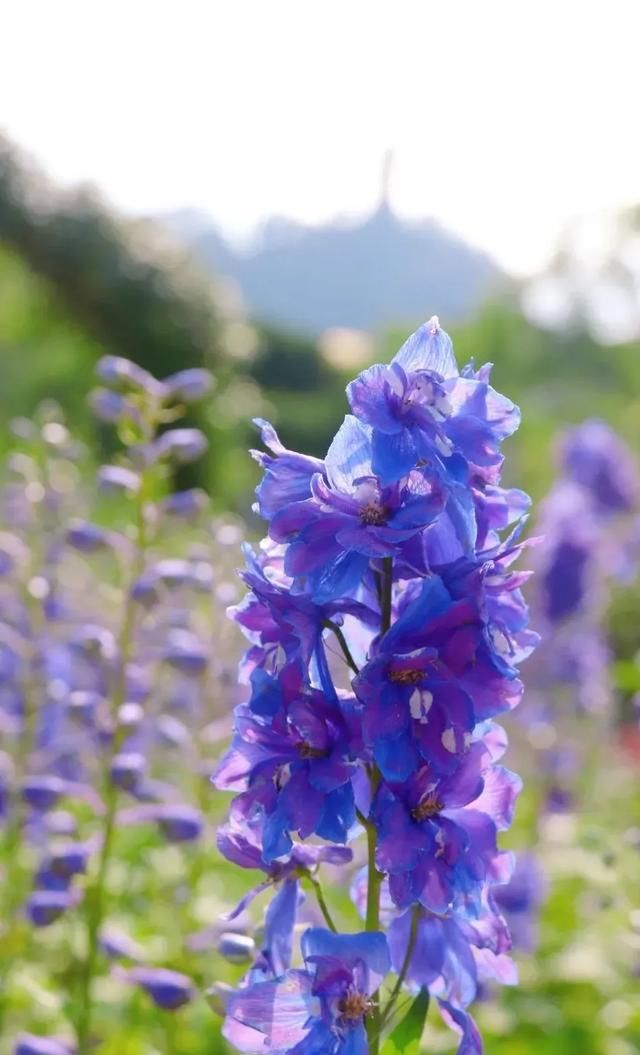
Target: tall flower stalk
(107,671)
(95,894)
(139,404)
(385,624)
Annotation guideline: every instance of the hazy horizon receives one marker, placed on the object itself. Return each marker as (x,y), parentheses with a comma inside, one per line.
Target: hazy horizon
(247,110)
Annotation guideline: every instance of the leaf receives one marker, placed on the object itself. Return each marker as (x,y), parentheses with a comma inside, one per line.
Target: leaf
(405,1039)
(627,676)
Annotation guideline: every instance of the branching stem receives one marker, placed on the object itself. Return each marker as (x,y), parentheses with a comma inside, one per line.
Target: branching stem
(406,963)
(342,641)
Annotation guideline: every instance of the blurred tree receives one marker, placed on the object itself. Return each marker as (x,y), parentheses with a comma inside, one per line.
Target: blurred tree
(132,293)
(558,378)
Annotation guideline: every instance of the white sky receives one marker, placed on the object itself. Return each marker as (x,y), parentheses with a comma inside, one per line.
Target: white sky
(507,117)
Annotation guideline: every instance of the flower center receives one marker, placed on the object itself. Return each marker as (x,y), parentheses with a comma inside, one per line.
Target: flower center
(429,806)
(354,1005)
(406,677)
(306,750)
(373,514)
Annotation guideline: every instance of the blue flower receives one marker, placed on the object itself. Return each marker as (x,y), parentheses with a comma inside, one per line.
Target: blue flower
(351,517)
(322,1009)
(421,409)
(297,769)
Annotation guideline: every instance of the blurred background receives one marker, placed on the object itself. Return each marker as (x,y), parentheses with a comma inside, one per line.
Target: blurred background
(281,192)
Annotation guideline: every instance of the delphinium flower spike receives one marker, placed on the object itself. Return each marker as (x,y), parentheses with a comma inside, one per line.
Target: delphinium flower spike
(110,678)
(587,524)
(386,625)
(146,406)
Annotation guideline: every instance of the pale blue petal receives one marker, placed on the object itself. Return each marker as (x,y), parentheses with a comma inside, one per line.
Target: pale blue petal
(349,456)
(429,348)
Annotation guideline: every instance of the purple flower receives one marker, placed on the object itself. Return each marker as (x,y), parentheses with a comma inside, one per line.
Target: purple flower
(241,841)
(127,770)
(184,651)
(43,793)
(123,374)
(113,407)
(320,1009)
(117,478)
(185,504)
(236,948)
(421,409)
(596,459)
(169,990)
(180,446)
(118,945)
(351,518)
(282,624)
(44,907)
(64,861)
(29,1044)
(179,824)
(189,385)
(287,475)
(412,713)
(296,768)
(437,837)
(520,900)
(384,561)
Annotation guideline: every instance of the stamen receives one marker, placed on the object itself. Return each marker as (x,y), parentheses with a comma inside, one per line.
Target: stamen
(354,1005)
(428,807)
(407,677)
(307,751)
(373,515)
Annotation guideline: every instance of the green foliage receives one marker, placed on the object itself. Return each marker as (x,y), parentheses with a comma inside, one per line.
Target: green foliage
(405,1038)
(100,286)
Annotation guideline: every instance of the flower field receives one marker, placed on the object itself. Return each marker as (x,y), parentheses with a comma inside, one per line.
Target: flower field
(378,793)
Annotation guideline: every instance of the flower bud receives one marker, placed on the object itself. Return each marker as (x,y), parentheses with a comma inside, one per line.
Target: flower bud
(185,504)
(96,642)
(42,793)
(87,537)
(82,705)
(61,822)
(118,945)
(236,948)
(121,373)
(70,859)
(29,1044)
(172,731)
(180,445)
(185,652)
(112,408)
(44,907)
(13,553)
(127,770)
(116,478)
(169,990)
(189,385)
(217,997)
(179,824)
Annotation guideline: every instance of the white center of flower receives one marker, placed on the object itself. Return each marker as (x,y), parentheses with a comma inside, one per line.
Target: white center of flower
(420,705)
(449,740)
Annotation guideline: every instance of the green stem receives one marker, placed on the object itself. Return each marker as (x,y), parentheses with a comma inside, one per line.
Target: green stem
(324,908)
(375,878)
(386,583)
(411,944)
(17,813)
(342,641)
(95,897)
(372,923)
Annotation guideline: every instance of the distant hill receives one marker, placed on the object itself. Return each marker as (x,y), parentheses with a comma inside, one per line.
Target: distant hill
(363,275)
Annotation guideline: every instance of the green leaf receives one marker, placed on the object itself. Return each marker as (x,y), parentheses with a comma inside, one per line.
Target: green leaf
(405,1039)
(627,676)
